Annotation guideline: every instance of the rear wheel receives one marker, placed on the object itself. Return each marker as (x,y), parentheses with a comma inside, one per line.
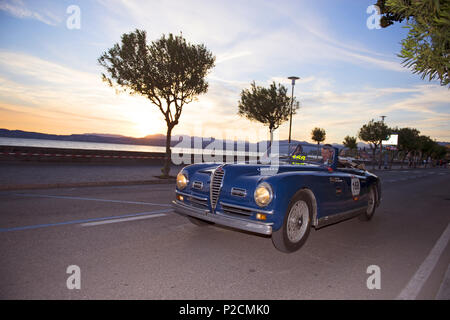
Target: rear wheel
(199,222)
(371,205)
(296,225)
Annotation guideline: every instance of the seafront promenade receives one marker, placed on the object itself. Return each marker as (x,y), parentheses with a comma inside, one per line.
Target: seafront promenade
(37,168)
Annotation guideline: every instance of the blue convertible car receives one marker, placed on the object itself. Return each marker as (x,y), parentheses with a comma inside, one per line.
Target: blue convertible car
(283,200)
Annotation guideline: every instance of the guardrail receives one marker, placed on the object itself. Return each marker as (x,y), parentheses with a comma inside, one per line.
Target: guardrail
(54,155)
(40,154)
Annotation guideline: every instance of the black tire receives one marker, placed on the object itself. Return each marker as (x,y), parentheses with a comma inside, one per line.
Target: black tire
(372,205)
(291,237)
(199,222)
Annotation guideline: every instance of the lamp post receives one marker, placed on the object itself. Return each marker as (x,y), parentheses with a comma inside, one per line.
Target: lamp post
(293,78)
(381,147)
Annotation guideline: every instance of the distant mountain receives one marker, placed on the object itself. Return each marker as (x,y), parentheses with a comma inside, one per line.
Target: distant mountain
(104,135)
(152,140)
(155,140)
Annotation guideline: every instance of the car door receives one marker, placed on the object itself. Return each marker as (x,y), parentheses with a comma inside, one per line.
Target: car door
(354,182)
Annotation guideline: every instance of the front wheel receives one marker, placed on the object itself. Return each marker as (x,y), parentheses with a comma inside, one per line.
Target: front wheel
(296,225)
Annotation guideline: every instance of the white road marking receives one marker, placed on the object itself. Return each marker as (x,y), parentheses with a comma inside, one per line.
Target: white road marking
(444,290)
(412,289)
(90,199)
(90,224)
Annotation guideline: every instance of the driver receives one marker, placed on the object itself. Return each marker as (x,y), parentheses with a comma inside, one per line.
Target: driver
(327,154)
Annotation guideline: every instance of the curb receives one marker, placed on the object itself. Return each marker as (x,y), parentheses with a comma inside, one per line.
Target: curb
(85,184)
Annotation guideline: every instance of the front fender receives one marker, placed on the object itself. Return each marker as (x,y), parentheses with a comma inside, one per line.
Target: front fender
(285,186)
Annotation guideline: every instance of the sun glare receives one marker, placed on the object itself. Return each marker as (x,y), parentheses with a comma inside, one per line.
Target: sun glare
(146,123)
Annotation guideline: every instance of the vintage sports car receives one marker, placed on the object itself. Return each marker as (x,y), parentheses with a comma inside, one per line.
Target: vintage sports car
(283,200)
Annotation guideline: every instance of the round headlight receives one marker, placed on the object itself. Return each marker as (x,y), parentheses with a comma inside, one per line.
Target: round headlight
(182,181)
(263,194)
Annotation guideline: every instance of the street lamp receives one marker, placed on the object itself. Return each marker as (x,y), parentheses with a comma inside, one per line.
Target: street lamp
(293,78)
(381,147)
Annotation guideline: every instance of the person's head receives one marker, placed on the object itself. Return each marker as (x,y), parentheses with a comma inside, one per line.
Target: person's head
(327,152)
(298,150)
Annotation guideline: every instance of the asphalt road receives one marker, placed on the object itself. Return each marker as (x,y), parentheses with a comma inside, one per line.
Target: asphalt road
(128,244)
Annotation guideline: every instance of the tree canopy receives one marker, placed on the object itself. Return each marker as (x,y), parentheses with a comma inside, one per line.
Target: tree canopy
(374,132)
(350,142)
(407,139)
(318,135)
(270,106)
(170,72)
(426,49)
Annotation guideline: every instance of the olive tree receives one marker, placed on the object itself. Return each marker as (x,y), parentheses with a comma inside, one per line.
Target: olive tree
(170,72)
(270,106)
(318,135)
(373,133)
(408,139)
(350,142)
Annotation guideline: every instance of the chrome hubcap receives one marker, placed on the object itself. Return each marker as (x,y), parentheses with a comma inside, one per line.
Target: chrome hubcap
(297,222)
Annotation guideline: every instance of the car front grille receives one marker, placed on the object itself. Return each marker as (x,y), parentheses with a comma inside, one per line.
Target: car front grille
(216,185)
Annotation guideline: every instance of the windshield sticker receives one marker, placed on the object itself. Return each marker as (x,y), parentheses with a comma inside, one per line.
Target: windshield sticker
(299,157)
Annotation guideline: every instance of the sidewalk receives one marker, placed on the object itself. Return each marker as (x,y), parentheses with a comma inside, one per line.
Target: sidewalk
(14,176)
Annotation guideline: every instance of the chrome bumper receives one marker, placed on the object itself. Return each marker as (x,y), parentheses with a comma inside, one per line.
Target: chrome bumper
(221,219)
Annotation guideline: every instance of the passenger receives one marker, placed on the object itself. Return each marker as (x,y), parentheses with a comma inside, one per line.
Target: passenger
(298,150)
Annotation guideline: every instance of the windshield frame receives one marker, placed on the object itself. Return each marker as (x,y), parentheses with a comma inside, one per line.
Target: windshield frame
(294,154)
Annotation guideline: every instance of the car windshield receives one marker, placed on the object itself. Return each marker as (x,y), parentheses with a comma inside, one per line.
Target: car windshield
(298,154)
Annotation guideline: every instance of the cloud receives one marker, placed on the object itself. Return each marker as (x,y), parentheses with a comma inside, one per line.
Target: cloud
(79,100)
(19,10)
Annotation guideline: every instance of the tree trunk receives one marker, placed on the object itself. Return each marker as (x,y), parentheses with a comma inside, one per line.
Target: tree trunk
(380,160)
(403,160)
(318,146)
(271,137)
(373,157)
(166,169)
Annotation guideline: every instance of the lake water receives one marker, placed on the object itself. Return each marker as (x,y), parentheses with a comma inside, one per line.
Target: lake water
(44,143)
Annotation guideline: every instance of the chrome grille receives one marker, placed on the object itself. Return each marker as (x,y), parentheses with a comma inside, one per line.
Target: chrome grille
(216,185)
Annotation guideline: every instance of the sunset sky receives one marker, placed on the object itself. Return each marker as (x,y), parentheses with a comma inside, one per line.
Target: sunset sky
(50,80)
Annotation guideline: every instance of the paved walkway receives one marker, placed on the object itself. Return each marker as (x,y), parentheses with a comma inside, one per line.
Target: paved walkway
(47,175)
(41,175)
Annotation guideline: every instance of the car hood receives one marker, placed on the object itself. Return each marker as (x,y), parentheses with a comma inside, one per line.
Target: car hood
(240,176)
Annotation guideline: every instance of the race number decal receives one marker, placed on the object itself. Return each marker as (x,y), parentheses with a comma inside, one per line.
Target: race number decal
(356,187)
